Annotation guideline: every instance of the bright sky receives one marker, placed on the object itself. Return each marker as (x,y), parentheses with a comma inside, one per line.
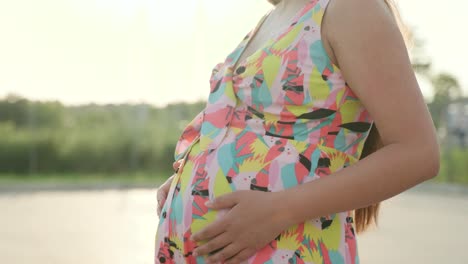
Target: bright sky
(155,51)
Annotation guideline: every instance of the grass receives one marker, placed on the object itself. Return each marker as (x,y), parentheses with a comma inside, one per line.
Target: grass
(454,166)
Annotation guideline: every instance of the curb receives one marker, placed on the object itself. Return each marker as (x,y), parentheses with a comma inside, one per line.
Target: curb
(69,187)
(425,187)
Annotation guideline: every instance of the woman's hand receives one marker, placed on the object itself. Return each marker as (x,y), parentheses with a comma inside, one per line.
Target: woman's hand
(254,219)
(163,190)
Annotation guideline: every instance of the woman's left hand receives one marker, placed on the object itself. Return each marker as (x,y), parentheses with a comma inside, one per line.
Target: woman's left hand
(255,218)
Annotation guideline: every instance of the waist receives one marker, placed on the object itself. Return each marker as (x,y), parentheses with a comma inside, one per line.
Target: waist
(256,151)
(299,130)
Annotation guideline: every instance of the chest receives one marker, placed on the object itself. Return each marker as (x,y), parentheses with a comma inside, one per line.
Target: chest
(272,26)
(269,27)
(290,67)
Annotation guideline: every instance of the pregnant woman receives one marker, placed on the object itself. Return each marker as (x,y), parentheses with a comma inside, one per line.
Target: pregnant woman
(312,120)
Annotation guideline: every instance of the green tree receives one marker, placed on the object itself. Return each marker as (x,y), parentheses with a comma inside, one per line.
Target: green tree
(446,89)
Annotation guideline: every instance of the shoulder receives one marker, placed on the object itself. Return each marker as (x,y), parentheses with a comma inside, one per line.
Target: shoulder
(351,18)
(358,10)
(344,20)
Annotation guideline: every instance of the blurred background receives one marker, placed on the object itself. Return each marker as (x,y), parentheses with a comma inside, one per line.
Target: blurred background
(94,95)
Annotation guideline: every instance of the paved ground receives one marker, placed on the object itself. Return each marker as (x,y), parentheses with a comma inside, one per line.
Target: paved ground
(118,226)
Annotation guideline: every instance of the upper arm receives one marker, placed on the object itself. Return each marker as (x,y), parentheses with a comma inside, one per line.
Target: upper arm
(370,51)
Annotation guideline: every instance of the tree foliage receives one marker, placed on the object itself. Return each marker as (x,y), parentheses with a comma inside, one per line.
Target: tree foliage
(45,137)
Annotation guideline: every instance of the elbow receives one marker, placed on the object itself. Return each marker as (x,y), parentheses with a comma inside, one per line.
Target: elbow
(431,160)
(433,167)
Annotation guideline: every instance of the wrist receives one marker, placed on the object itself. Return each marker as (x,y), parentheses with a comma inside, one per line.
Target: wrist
(282,208)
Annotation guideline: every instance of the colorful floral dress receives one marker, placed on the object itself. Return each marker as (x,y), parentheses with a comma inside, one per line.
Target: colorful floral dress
(284,116)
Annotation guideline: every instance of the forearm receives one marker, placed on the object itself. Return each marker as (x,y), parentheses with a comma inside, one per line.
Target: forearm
(381,175)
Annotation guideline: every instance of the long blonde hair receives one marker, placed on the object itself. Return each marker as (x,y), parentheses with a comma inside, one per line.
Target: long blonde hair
(365,217)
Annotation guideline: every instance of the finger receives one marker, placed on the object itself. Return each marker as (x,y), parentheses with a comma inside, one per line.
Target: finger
(225,201)
(161,194)
(216,243)
(243,255)
(160,207)
(213,229)
(227,252)
(176,165)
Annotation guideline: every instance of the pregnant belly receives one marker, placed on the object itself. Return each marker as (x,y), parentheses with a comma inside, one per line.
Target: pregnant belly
(249,162)
(245,162)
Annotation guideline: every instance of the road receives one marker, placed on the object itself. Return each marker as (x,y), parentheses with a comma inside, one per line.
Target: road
(118,226)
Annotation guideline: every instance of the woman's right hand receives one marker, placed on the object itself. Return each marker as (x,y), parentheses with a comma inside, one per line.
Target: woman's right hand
(163,190)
